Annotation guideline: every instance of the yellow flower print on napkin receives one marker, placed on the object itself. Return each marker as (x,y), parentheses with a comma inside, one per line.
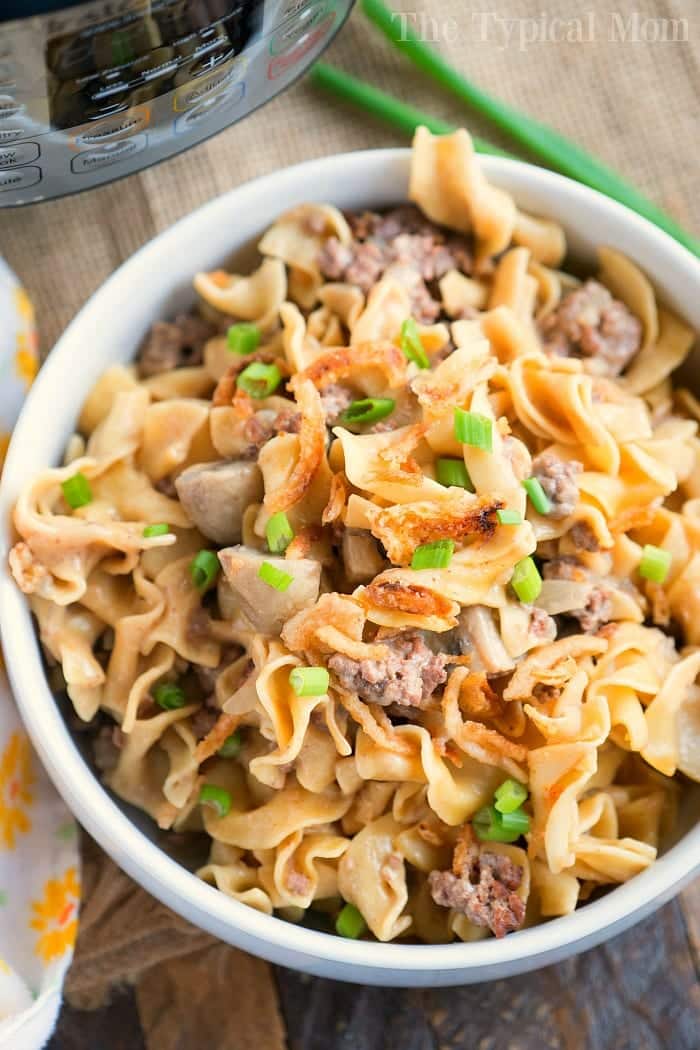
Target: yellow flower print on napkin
(4,445)
(26,364)
(16,779)
(56,916)
(26,355)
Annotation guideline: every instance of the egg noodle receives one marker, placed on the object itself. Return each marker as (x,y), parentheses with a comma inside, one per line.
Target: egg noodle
(391,585)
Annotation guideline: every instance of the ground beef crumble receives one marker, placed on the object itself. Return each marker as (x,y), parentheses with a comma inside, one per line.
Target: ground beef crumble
(583,537)
(174,344)
(589,323)
(483,886)
(408,675)
(598,608)
(264,424)
(204,720)
(558,479)
(335,399)
(418,252)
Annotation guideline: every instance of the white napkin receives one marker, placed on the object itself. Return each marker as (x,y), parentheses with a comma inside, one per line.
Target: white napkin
(39,865)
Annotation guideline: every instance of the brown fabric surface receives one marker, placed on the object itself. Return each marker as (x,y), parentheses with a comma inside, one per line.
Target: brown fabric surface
(123,931)
(184,978)
(634,104)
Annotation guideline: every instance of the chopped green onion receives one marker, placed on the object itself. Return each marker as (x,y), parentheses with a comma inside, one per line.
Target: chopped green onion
(159,529)
(77,491)
(231,745)
(169,696)
(243,338)
(526,580)
(368,410)
(411,344)
(509,796)
(260,380)
(218,798)
(489,826)
(277,578)
(473,429)
(309,681)
(279,533)
(509,517)
(517,821)
(350,923)
(655,563)
(436,555)
(538,497)
(454,472)
(204,568)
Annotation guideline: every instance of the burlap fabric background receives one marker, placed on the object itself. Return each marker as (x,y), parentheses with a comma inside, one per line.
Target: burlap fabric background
(635,104)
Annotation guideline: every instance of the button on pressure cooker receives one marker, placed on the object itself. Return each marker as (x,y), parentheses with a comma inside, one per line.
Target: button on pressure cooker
(14,156)
(11,134)
(19,178)
(9,107)
(110,153)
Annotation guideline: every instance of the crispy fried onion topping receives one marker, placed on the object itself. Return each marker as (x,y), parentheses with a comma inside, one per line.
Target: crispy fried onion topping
(341,362)
(552,665)
(312,448)
(404,527)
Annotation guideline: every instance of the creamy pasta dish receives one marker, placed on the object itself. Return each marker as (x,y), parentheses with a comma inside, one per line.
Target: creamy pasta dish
(379,571)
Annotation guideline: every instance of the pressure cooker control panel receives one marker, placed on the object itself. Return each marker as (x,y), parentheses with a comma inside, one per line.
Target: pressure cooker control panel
(105,89)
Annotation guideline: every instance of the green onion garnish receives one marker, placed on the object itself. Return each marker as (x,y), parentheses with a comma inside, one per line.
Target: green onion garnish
(350,922)
(279,533)
(204,568)
(509,796)
(77,491)
(260,380)
(436,555)
(368,410)
(243,338)
(159,529)
(526,580)
(509,517)
(489,825)
(538,497)
(231,745)
(218,798)
(275,577)
(309,681)
(517,821)
(454,472)
(473,429)
(169,696)
(411,344)
(655,563)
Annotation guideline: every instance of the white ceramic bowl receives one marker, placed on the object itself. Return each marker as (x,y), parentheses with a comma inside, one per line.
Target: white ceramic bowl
(153,284)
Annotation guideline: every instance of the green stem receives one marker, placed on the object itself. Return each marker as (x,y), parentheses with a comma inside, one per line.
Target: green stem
(545,143)
(386,107)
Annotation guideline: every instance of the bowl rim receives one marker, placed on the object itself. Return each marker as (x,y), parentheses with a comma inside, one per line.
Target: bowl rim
(145,861)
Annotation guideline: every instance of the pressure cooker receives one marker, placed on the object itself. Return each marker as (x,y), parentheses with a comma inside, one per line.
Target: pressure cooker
(90,92)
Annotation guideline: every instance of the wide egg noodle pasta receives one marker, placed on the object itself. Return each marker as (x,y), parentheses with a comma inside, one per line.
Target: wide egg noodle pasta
(427,687)
(256,298)
(372,876)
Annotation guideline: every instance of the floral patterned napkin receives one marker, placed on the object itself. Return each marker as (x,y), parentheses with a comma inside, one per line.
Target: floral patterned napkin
(39,874)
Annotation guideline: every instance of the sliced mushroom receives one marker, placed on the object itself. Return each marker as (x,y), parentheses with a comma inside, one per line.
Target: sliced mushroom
(215,495)
(267,608)
(361,556)
(477,633)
